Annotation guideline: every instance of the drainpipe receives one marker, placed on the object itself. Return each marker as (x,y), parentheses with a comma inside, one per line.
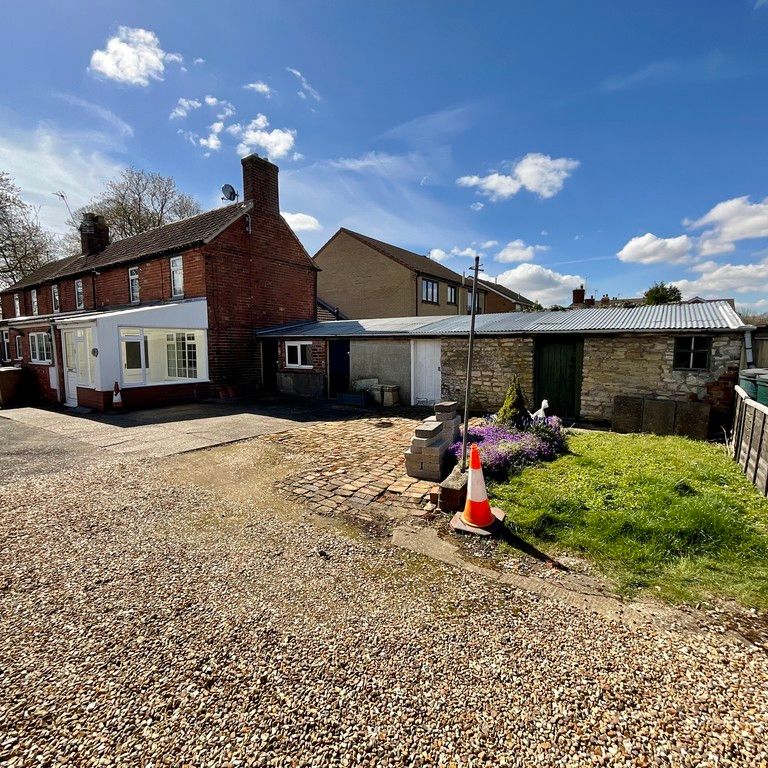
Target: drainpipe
(748,349)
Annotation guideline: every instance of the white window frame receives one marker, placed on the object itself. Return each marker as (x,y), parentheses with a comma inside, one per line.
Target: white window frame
(133,279)
(6,345)
(35,302)
(177,268)
(79,295)
(55,299)
(452,290)
(17,304)
(299,345)
(19,348)
(35,348)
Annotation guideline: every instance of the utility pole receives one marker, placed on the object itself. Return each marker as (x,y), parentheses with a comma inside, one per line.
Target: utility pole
(470,350)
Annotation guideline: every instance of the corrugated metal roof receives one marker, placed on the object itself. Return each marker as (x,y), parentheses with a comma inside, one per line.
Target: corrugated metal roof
(711,316)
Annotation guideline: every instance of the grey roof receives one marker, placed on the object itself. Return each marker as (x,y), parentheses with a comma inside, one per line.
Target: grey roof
(176,236)
(713,316)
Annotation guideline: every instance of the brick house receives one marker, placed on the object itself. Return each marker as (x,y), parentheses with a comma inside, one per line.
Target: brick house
(168,314)
(365,277)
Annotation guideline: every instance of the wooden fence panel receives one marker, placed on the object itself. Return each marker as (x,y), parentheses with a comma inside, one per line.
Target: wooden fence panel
(749,442)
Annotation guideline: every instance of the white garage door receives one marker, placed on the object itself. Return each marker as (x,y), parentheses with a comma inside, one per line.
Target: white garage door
(425,359)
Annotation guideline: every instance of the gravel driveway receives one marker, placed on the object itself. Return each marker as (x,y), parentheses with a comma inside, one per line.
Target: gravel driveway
(147,622)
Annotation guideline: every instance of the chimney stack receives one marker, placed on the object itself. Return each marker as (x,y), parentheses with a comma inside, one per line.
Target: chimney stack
(590,302)
(578,295)
(605,301)
(94,234)
(260,185)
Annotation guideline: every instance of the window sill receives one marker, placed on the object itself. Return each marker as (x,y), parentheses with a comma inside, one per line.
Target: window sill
(433,303)
(300,367)
(41,362)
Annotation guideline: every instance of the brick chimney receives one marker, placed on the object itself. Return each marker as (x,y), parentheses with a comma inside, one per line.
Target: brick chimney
(94,234)
(590,302)
(578,295)
(260,185)
(605,301)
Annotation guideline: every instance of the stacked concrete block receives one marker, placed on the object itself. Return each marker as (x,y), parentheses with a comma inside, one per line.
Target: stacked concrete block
(427,457)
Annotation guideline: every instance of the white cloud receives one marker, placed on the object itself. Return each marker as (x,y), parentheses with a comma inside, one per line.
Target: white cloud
(198,60)
(410,166)
(184,107)
(297,156)
(102,113)
(541,174)
(649,249)
(478,206)
(133,56)
(260,87)
(541,284)
(276,143)
(212,141)
(301,222)
(226,108)
(731,221)
(518,250)
(306,88)
(489,244)
(438,254)
(719,281)
(468,252)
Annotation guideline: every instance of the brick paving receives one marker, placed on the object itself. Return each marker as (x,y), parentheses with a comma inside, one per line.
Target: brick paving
(360,462)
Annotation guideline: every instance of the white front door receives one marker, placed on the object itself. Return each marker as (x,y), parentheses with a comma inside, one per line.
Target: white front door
(77,363)
(426,371)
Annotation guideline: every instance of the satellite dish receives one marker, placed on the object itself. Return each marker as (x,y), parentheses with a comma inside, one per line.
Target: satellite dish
(229,192)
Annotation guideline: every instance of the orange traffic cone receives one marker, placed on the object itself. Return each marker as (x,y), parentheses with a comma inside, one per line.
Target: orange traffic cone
(117,398)
(478,516)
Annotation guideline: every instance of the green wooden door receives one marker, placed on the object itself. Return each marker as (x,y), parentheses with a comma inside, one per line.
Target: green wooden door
(558,374)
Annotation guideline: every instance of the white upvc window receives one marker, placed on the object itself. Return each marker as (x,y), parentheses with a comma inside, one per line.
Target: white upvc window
(35,305)
(6,346)
(297,354)
(55,303)
(40,350)
(133,284)
(16,305)
(79,298)
(151,356)
(177,276)
(19,349)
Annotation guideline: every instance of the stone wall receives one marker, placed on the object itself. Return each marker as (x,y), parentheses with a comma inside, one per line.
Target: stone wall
(642,364)
(495,360)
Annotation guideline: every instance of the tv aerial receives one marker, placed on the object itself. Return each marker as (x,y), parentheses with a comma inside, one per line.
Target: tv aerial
(229,192)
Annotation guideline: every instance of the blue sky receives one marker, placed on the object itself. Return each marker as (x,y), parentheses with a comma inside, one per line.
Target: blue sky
(609,142)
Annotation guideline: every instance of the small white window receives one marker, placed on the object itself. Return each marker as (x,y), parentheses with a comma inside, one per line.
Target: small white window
(79,300)
(133,284)
(16,305)
(297,354)
(40,348)
(55,298)
(177,276)
(19,349)
(6,346)
(35,305)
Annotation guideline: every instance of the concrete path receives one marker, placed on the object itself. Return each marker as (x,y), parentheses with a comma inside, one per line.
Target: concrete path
(167,431)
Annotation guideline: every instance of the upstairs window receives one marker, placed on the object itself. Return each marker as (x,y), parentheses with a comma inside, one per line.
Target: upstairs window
(40,350)
(478,306)
(16,305)
(451,294)
(133,284)
(430,291)
(55,298)
(79,300)
(35,305)
(177,276)
(297,354)
(692,353)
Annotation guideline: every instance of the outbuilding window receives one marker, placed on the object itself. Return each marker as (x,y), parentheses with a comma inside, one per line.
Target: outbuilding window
(40,350)
(692,353)
(430,291)
(297,354)
(177,276)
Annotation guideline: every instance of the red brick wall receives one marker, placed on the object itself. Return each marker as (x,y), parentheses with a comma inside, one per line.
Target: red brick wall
(37,382)
(318,355)
(168,394)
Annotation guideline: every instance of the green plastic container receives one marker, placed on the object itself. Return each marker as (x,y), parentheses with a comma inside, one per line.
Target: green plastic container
(748,380)
(762,389)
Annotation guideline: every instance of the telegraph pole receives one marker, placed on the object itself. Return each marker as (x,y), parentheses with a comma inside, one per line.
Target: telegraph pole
(470,350)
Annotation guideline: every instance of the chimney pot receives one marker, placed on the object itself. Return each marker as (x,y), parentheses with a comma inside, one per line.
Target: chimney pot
(94,234)
(260,185)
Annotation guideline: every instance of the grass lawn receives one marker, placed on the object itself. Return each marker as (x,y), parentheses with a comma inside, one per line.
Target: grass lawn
(665,513)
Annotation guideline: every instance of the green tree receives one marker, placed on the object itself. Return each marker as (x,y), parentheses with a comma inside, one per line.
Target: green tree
(662,293)
(513,411)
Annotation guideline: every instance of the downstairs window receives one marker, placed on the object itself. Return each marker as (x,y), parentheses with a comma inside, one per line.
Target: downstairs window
(163,355)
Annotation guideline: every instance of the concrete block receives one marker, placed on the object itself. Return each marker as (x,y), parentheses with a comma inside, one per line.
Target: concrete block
(692,420)
(415,449)
(425,442)
(445,416)
(446,406)
(659,417)
(435,451)
(627,414)
(428,429)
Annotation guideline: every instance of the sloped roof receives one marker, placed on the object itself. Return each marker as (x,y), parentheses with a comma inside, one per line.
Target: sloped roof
(504,291)
(712,316)
(177,235)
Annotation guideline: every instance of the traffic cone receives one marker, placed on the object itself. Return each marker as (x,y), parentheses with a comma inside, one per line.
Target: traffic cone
(478,515)
(117,398)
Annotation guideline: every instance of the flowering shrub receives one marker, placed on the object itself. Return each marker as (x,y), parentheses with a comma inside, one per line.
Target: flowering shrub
(503,449)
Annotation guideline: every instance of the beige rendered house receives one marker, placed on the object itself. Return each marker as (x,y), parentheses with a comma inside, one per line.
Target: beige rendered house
(364,277)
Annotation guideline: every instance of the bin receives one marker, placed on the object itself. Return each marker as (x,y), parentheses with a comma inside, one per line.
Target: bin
(10,385)
(748,380)
(762,389)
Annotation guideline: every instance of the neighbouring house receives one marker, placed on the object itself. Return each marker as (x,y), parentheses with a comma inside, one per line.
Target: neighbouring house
(581,300)
(168,314)
(365,277)
(579,360)
(326,311)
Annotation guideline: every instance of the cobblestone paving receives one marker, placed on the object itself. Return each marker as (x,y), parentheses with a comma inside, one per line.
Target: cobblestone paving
(359,462)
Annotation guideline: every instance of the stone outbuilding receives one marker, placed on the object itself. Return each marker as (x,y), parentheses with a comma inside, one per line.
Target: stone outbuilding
(579,360)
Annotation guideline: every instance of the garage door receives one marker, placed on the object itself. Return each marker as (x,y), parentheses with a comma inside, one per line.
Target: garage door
(426,372)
